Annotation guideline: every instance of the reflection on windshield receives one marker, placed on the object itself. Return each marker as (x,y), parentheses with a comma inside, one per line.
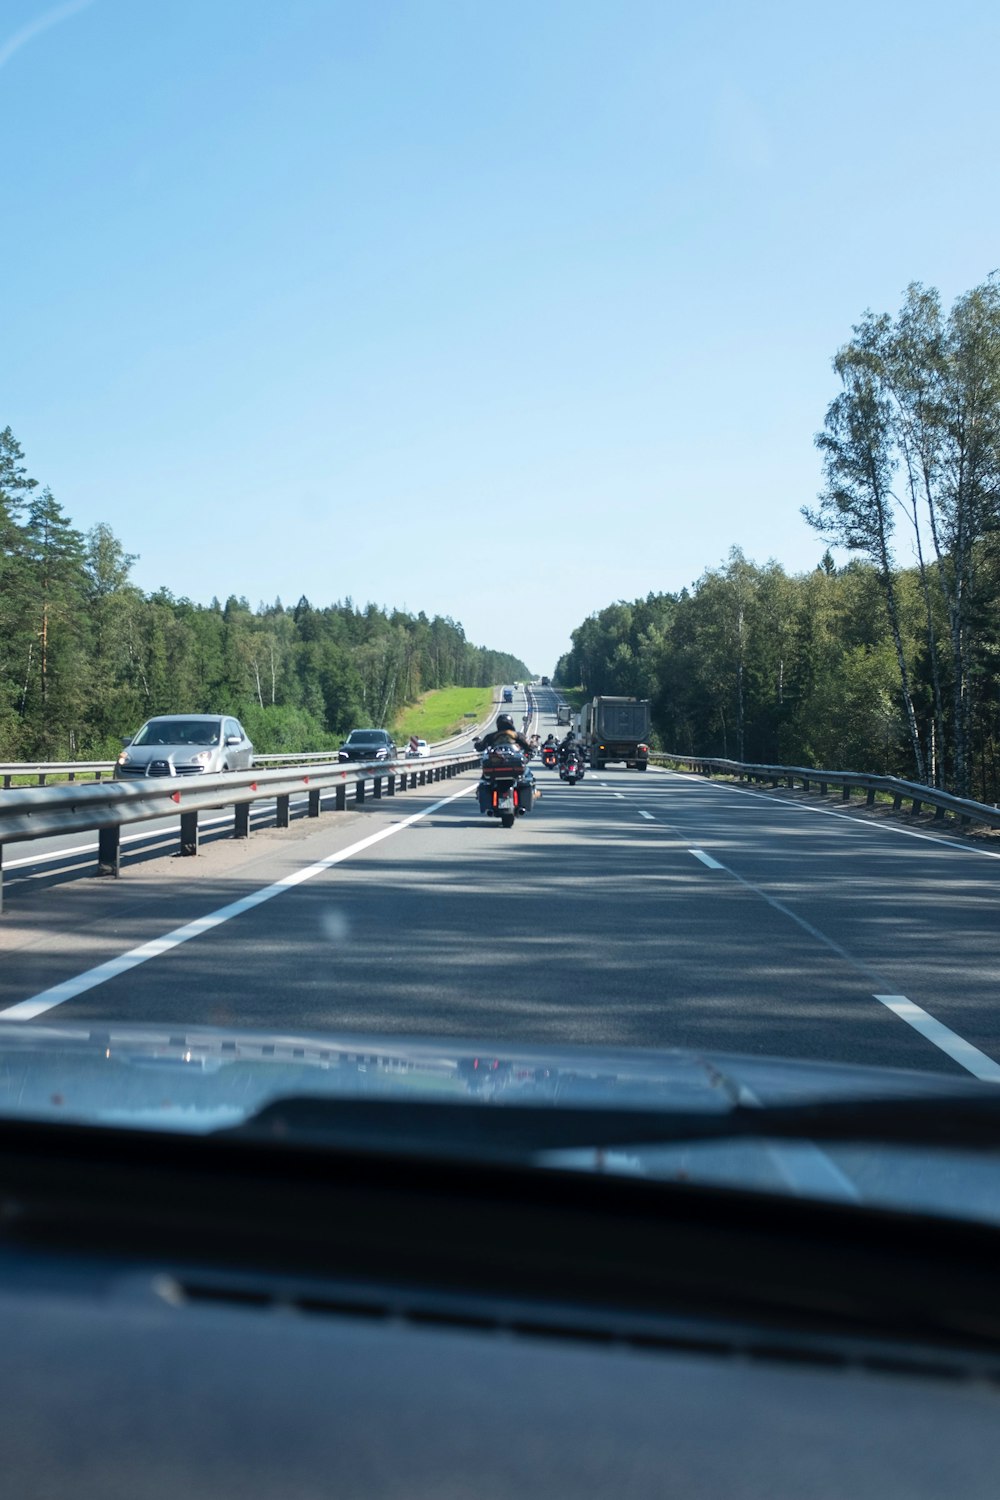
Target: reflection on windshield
(179,732)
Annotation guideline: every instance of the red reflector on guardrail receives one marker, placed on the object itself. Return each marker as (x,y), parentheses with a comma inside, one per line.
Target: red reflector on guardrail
(175,796)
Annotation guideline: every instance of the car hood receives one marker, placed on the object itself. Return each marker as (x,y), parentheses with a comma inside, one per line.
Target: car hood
(199,1079)
(141,755)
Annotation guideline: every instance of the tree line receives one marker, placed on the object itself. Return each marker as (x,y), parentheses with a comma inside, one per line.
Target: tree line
(889,663)
(86,656)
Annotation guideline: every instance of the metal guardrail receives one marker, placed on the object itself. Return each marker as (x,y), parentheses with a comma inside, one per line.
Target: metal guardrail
(41,769)
(107,807)
(901,791)
(69,770)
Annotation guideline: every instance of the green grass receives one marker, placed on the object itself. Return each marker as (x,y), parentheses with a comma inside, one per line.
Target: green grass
(440,713)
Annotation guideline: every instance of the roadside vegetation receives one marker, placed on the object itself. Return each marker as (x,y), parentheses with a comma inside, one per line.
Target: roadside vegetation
(86,657)
(443,712)
(890,662)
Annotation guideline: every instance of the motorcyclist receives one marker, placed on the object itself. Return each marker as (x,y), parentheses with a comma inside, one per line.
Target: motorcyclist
(566,745)
(504,734)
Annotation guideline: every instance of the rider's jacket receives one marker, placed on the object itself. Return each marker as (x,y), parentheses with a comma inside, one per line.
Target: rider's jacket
(503,737)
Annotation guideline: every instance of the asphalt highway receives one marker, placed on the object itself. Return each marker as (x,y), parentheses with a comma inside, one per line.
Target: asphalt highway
(650,909)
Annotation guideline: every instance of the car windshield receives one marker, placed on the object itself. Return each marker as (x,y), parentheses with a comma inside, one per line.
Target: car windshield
(631,371)
(179,732)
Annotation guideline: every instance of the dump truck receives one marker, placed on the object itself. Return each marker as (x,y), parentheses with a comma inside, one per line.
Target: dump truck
(616,729)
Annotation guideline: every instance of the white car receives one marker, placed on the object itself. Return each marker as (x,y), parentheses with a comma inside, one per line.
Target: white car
(419,751)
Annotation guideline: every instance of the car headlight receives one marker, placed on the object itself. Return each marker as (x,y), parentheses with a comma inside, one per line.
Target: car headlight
(202,757)
(124,759)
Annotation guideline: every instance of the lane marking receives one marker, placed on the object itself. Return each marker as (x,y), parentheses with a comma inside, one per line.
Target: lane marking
(646,815)
(619,795)
(706,859)
(828,812)
(58,994)
(958,1049)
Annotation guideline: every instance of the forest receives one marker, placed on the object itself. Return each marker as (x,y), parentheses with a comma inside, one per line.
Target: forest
(86,656)
(889,661)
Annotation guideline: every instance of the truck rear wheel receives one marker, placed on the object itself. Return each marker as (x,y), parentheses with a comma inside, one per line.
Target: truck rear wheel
(641,766)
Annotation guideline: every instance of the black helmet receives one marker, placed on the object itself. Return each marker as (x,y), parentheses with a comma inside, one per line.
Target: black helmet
(504,721)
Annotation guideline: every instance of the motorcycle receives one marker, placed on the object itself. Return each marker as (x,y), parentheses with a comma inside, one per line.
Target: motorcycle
(572,768)
(549,757)
(506,790)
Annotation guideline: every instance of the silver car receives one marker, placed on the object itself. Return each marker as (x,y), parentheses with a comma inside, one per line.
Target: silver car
(186,745)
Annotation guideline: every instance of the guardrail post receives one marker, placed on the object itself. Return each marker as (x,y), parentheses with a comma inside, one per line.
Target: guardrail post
(189,833)
(281,811)
(939,815)
(8,778)
(390,784)
(241,820)
(822,788)
(341,797)
(917,805)
(805,783)
(315,793)
(377,789)
(870,799)
(109,851)
(897,802)
(845,793)
(359,789)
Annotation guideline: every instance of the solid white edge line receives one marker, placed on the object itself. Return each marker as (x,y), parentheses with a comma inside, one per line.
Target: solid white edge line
(706,859)
(828,812)
(964,1053)
(37,1005)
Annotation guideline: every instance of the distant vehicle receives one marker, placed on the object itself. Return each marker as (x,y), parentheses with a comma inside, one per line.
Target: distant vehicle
(368,744)
(563,713)
(616,729)
(508,695)
(185,745)
(545,682)
(417,750)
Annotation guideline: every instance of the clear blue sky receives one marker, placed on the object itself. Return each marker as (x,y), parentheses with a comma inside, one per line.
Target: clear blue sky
(500,311)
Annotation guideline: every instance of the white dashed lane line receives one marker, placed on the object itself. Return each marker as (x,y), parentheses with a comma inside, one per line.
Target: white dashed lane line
(969,1057)
(646,815)
(957,1048)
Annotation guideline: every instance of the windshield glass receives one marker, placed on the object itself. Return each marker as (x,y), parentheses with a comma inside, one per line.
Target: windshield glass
(603,367)
(179,732)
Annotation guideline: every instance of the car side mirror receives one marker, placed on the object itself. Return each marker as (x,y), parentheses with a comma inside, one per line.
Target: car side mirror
(233,739)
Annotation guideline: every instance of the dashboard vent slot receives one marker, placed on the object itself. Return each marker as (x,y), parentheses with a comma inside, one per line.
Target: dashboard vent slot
(582,1327)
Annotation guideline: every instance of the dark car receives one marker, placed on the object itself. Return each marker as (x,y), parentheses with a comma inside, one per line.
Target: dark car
(368,744)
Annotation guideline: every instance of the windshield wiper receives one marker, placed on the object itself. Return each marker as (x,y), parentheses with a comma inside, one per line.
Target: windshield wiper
(480,1130)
